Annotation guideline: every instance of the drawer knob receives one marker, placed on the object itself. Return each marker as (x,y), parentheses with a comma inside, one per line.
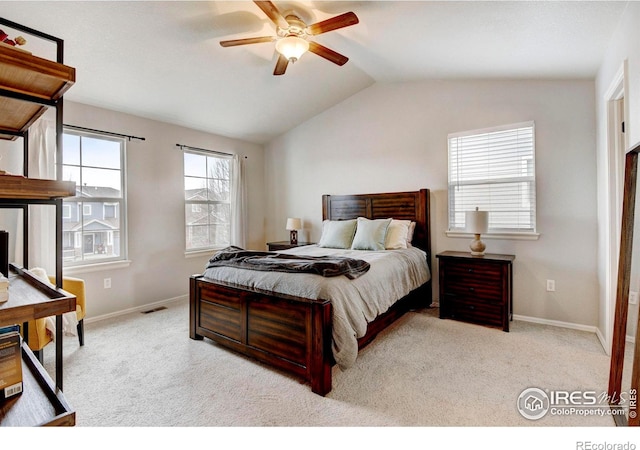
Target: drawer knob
(472,289)
(470,270)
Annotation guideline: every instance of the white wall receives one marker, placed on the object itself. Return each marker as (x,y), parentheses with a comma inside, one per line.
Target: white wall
(393,137)
(623,49)
(159,269)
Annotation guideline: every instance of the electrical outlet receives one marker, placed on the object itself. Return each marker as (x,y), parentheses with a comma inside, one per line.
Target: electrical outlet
(107,283)
(551,285)
(633,297)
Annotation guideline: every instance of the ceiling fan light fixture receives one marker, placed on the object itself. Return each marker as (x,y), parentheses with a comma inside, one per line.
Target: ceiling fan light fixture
(292,47)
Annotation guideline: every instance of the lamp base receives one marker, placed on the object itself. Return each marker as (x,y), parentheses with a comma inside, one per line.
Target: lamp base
(293,237)
(477,246)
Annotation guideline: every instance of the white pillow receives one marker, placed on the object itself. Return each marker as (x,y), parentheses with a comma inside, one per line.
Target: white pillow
(412,228)
(397,234)
(337,233)
(370,234)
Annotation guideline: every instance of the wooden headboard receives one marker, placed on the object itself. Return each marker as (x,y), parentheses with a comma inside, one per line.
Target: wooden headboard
(412,206)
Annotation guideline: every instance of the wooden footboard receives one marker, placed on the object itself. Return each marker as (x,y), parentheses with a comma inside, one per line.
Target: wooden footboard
(289,333)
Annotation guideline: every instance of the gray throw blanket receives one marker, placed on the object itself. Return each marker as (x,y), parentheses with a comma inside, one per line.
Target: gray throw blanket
(327,266)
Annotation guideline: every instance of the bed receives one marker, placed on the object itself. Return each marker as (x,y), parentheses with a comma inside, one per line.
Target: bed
(295,333)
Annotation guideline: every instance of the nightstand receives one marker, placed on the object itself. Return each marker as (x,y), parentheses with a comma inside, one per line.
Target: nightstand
(284,245)
(476,289)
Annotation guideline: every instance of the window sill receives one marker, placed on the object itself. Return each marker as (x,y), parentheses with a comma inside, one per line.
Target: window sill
(200,253)
(97,267)
(528,236)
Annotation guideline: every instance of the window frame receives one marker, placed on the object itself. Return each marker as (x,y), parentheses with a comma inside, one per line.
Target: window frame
(501,233)
(197,205)
(79,202)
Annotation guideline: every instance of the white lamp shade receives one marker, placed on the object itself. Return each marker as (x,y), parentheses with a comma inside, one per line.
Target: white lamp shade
(294,224)
(292,47)
(477,222)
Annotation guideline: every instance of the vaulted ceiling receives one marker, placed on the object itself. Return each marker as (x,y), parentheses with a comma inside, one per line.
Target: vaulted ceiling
(162,59)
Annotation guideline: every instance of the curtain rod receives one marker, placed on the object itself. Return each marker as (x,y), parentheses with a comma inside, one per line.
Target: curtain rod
(74,127)
(182,146)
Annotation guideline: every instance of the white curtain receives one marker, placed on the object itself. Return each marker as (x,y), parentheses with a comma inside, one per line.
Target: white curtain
(238,203)
(42,218)
(11,218)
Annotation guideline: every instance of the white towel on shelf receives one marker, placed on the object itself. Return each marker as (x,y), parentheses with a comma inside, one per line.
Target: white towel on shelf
(4,283)
(4,288)
(69,320)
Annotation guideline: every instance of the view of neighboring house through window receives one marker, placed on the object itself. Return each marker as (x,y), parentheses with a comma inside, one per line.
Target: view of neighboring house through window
(207,184)
(494,170)
(94,220)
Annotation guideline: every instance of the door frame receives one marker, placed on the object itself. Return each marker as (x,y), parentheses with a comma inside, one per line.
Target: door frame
(617,145)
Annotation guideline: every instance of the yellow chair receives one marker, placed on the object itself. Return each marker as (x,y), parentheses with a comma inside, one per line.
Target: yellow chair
(39,336)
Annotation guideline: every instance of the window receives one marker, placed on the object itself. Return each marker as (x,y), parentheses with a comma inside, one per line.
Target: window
(207,185)
(494,170)
(110,210)
(94,228)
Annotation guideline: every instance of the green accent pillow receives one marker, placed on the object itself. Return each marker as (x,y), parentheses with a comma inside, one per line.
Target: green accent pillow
(337,233)
(370,234)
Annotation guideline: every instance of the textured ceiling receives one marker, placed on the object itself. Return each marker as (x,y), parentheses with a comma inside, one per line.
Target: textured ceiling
(162,60)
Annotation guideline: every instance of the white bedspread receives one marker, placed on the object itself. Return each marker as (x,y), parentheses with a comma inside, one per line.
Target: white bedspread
(393,274)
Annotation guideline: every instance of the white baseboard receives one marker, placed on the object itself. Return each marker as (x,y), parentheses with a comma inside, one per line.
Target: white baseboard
(141,308)
(573,326)
(556,323)
(603,342)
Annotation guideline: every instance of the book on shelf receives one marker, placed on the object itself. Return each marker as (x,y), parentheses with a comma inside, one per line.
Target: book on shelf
(10,362)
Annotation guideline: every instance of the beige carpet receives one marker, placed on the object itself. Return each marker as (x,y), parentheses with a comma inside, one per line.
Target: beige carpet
(142,370)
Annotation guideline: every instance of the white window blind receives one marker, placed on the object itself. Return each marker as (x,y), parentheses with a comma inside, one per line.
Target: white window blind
(494,170)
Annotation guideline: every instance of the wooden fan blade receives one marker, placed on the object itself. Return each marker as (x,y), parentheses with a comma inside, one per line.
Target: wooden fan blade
(341,21)
(281,65)
(255,40)
(272,13)
(327,53)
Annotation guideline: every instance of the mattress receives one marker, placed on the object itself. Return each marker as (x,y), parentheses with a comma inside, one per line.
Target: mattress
(393,274)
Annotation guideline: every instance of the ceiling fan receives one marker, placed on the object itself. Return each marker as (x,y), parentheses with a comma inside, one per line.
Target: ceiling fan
(293,36)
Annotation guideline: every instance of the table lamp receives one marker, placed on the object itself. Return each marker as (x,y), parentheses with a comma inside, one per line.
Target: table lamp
(293,225)
(477,222)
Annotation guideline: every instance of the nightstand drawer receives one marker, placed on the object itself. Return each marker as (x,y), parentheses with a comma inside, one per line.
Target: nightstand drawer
(468,310)
(474,273)
(483,292)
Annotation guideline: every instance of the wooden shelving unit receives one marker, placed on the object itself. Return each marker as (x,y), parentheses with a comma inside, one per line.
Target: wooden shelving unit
(40,403)
(19,187)
(31,298)
(29,85)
